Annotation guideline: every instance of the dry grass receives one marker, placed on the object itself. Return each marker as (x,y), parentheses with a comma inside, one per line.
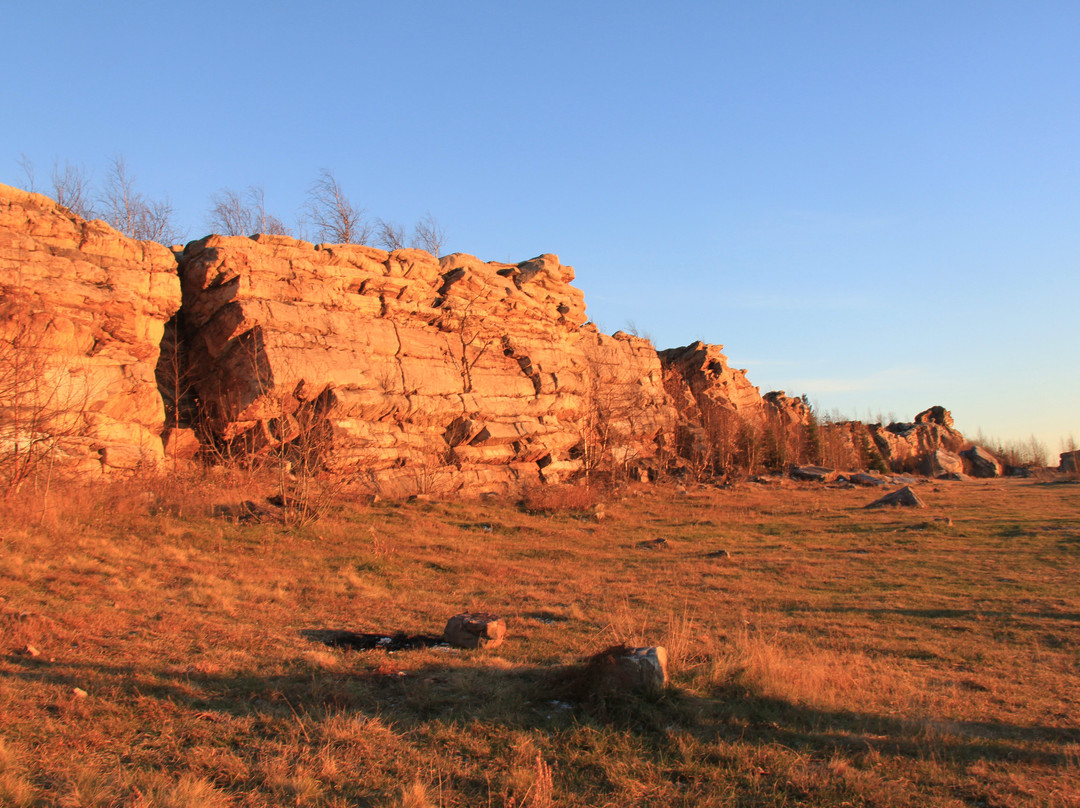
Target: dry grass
(834,656)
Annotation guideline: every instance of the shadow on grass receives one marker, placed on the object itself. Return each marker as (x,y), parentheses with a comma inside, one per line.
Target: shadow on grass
(470,688)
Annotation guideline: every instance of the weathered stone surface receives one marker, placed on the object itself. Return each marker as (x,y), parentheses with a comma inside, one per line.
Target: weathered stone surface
(902,497)
(86,308)
(980,463)
(469,630)
(940,462)
(1069,462)
(427,376)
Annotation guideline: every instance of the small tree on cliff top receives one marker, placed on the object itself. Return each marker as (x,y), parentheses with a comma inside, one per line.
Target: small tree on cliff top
(333,217)
(130,212)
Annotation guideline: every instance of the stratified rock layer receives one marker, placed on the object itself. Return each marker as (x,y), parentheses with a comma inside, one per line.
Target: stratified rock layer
(424,375)
(83,312)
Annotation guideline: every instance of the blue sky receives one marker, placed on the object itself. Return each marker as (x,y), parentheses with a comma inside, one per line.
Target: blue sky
(875,204)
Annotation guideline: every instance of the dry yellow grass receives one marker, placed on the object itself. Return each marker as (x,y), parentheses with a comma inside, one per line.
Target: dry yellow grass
(835,656)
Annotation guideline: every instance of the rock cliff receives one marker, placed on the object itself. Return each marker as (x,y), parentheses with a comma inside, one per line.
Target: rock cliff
(81,320)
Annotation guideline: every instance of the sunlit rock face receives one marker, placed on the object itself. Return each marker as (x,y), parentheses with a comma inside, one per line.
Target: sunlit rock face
(82,313)
(423,374)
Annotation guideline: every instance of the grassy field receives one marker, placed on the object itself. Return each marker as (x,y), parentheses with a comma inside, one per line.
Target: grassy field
(839,656)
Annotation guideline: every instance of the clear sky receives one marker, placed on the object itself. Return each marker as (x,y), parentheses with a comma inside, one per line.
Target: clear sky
(873,203)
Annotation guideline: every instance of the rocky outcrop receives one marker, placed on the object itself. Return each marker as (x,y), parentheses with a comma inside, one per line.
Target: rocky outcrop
(81,321)
(412,374)
(903,445)
(397,371)
(701,379)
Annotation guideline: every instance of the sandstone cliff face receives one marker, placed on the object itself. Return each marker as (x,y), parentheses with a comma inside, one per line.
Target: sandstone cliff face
(416,374)
(83,312)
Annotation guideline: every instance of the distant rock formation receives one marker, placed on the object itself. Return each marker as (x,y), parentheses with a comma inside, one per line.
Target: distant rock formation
(81,320)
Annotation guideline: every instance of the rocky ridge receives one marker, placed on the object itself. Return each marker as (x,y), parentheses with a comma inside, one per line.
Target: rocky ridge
(396,370)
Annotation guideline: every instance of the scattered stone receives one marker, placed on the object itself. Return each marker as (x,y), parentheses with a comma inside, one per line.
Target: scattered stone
(653,544)
(1017,471)
(79,693)
(475,630)
(622,670)
(955,477)
(981,463)
(718,554)
(30,651)
(903,497)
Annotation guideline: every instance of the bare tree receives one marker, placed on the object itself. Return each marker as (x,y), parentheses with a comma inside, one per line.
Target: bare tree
(429,235)
(389,235)
(132,213)
(71,188)
(243,214)
(27,166)
(332,215)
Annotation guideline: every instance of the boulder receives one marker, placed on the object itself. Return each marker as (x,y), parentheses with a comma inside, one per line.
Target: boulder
(1069,462)
(866,479)
(818,474)
(940,462)
(622,670)
(475,630)
(980,463)
(903,497)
